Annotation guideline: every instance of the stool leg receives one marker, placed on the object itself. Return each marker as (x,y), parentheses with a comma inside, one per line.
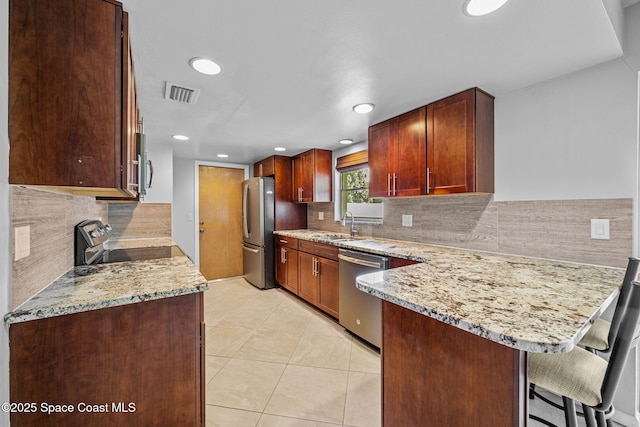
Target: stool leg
(601,419)
(570,417)
(589,415)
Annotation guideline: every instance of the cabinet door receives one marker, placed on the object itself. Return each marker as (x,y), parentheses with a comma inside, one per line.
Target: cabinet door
(292,270)
(298,172)
(65,93)
(307,279)
(451,148)
(307,178)
(130,116)
(281,266)
(328,297)
(410,175)
(382,153)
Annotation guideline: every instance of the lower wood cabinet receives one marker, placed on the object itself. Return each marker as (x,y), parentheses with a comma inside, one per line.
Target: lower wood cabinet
(287,263)
(139,364)
(318,276)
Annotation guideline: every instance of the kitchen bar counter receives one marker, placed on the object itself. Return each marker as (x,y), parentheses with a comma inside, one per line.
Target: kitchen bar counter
(85,288)
(456,328)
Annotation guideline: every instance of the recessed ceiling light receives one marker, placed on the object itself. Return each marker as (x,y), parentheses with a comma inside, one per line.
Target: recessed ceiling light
(223,156)
(482,7)
(280,149)
(205,66)
(363,108)
(181,137)
(346,141)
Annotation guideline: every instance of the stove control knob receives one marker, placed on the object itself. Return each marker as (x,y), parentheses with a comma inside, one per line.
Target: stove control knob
(107,228)
(94,234)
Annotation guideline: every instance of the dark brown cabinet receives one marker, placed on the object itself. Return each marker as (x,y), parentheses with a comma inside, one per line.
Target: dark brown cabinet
(398,156)
(70,88)
(288,215)
(318,276)
(149,355)
(312,176)
(460,133)
(287,263)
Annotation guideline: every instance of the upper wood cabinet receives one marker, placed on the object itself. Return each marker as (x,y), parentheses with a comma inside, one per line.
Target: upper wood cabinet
(288,215)
(70,91)
(398,156)
(312,176)
(460,143)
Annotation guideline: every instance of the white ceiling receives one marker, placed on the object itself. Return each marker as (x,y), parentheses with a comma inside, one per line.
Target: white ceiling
(292,69)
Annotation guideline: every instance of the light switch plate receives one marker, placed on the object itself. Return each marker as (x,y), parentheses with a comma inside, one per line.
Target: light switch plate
(600,229)
(407,220)
(321,215)
(22,242)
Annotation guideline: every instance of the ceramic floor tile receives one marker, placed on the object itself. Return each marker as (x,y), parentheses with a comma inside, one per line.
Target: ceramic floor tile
(276,421)
(225,339)
(269,345)
(364,358)
(214,365)
(363,400)
(322,325)
(244,384)
(323,351)
(315,394)
(227,417)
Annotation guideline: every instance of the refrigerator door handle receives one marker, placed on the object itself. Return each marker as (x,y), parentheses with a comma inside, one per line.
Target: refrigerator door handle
(245,214)
(255,251)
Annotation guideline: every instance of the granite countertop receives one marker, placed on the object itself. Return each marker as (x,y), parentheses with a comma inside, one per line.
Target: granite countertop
(92,287)
(525,303)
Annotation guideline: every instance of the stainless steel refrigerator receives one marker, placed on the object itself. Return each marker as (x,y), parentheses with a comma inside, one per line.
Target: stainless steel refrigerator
(258,212)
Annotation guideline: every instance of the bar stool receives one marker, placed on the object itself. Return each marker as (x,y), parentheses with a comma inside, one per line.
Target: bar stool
(602,332)
(582,376)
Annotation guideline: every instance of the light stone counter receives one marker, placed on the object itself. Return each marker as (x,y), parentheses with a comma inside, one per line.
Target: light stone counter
(85,288)
(524,303)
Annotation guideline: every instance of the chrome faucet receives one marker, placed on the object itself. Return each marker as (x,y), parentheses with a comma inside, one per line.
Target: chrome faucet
(353,228)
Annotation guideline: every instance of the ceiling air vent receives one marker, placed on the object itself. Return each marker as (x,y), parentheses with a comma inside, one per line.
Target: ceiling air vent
(180,93)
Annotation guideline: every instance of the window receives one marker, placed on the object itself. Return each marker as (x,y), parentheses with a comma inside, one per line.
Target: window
(354,189)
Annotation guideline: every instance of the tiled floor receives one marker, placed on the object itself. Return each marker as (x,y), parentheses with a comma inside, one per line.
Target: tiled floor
(274,361)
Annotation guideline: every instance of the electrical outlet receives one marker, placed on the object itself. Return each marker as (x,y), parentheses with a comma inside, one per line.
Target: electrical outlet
(407,220)
(321,216)
(600,229)
(22,242)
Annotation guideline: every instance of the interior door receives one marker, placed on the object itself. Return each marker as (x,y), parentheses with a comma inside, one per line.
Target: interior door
(220,214)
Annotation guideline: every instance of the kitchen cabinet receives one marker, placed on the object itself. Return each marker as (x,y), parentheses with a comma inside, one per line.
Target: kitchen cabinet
(287,263)
(460,133)
(312,176)
(318,276)
(72,112)
(288,215)
(143,362)
(398,156)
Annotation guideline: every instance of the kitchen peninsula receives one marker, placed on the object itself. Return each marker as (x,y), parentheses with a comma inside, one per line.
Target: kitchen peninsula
(112,344)
(457,327)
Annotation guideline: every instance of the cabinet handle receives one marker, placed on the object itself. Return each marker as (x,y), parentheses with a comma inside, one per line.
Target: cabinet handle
(284,241)
(395,190)
(283,255)
(388,184)
(315,266)
(428,188)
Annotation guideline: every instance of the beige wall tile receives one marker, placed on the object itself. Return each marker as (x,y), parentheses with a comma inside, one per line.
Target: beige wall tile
(140,220)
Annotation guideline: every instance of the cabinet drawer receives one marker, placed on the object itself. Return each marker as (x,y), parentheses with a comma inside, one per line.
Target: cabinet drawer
(286,242)
(319,249)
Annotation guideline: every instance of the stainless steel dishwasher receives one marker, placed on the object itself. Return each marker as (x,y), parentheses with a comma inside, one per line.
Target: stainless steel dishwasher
(359,311)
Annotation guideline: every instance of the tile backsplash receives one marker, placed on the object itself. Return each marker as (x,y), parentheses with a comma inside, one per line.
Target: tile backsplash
(52,217)
(554,229)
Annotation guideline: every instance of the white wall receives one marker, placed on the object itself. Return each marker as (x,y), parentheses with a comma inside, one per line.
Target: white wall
(183,215)
(5,213)
(161,190)
(573,137)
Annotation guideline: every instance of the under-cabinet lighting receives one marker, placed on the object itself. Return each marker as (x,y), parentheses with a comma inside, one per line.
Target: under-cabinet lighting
(205,66)
(363,108)
(482,7)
